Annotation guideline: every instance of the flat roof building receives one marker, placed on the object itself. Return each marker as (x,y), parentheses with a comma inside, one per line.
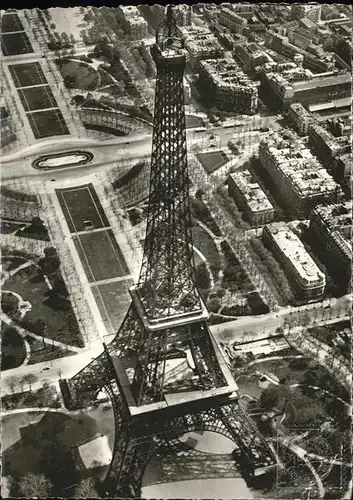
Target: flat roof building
(232,20)
(300,118)
(311,11)
(249,197)
(325,145)
(133,21)
(299,86)
(301,181)
(228,86)
(331,228)
(200,43)
(306,278)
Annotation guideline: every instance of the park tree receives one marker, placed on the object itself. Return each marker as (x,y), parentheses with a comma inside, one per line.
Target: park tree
(34,486)
(305,319)
(9,304)
(202,277)
(60,287)
(214,305)
(86,489)
(46,395)
(12,384)
(269,398)
(78,100)
(222,116)
(221,293)
(69,81)
(29,379)
(290,322)
(50,262)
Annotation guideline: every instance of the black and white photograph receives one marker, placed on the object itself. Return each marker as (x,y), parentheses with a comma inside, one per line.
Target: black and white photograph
(176,257)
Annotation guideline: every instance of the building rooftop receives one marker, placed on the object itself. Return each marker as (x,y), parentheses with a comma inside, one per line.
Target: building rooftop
(252,192)
(226,73)
(199,38)
(300,111)
(337,216)
(132,14)
(293,248)
(307,176)
(322,81)
(338,220)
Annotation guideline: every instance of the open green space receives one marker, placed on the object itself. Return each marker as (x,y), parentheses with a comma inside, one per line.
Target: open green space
(10,22)
(212,160)
(192,121)
(48,316)
(292,370)
(105,79)
(34,98)
(27,75)
(317,398)
(78,74)
(36,230)
(81,204)
(100,255)
(234,277)
(13,44)
(113,300)
(12,258)
(41,352)
(47,123)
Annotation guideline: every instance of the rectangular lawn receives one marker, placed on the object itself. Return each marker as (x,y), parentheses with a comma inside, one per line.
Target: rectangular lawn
(27,75)
(113,300)
(100,255)
(47,123)
(212,160)
(34,98)
(13,44)
(10,22)
(80,204)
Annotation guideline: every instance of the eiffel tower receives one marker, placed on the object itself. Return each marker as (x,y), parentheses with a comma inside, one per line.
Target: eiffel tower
(163,371)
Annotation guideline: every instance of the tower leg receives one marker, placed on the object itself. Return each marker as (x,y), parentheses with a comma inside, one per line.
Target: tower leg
(130,459)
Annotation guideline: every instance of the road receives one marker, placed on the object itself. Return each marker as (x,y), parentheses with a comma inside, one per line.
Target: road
(233,330)
(266,324)
(106,153)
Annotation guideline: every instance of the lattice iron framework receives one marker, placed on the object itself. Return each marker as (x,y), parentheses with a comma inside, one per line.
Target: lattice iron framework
(156,399)
(166,283)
